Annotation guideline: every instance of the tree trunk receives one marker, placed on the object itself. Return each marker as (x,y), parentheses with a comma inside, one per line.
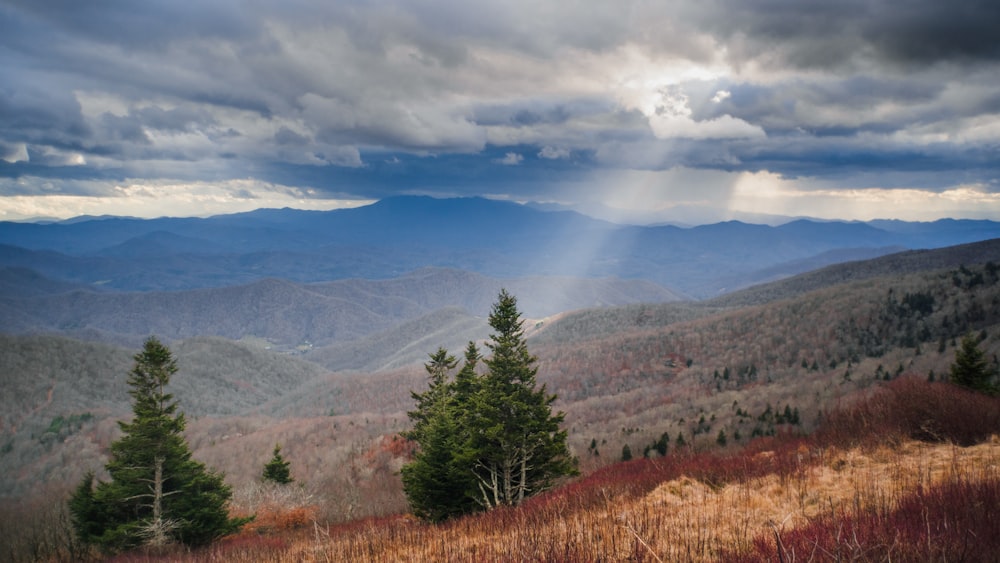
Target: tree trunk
(524,477)
(158,531)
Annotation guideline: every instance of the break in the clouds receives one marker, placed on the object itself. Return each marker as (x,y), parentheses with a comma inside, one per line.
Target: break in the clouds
(768,107)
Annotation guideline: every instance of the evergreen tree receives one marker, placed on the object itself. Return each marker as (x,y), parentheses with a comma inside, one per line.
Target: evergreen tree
(157,493)
(626,453)
(277,470)
(484,440)
(438,391)
(662,444)
(436,485)
(721,438)
(971,369)
(467,380)
(516,448)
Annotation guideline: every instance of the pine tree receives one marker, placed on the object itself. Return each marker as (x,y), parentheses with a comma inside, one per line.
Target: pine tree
(436,485)
(626,453)
(467,380)
(157,493)
(484,440)
(516,448)
(277,470)
(438,391)
(971,369)
(662,445)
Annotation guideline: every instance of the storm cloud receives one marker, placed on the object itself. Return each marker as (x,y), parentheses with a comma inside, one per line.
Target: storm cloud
(516,99)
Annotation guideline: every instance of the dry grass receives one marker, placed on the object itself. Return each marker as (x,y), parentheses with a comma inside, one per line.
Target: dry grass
(729,519)
(834,496)
(680,519)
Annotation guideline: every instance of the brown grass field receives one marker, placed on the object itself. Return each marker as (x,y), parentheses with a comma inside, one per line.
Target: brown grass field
(859,489)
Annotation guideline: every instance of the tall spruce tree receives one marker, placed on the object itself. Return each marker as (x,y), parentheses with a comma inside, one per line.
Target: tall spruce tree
(157,494)
(515,447)
(467,380)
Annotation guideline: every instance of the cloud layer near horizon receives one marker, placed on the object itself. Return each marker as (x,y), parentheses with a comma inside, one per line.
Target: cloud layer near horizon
(637,105)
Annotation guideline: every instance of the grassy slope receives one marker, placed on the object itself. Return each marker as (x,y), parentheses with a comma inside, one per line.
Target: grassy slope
(866,495)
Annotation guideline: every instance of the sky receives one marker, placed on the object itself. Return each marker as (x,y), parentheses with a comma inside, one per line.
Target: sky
(689,111)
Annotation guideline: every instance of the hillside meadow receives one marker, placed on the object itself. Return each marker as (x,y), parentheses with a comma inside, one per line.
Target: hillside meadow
(861,488)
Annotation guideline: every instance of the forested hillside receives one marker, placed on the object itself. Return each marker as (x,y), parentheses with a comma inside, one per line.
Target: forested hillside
(290,315)
(736,371)
(637,375)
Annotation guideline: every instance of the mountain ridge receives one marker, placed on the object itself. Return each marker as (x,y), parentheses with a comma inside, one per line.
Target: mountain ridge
(404,233)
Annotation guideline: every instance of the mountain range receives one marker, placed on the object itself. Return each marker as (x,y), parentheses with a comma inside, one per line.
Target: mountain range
(399,235)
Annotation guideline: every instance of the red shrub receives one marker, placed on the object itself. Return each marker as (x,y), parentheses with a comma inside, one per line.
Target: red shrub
(275,519)
(910,407)
(953,521)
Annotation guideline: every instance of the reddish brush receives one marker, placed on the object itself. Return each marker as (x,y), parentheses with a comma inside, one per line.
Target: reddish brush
(954,521)
(910,407)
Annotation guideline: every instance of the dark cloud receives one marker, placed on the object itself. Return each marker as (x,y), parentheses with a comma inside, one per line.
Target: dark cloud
(32,113)
(150,26)
(286,136)
(925,32)
(838,34)
(176,119)
(519,113)
(128,129)
(435,94)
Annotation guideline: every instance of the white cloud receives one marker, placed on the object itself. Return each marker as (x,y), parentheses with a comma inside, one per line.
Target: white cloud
(766,192)
(668,126)
(510,159)
(721,96)
(670,117)
(553,153)
(146,198)
(694,196)
(666,105)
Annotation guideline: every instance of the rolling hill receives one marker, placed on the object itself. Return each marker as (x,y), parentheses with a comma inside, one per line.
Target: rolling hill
(624,375)
(292,315)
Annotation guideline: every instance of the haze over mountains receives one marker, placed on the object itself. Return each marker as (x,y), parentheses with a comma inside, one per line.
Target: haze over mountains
(337,285)
(398,235)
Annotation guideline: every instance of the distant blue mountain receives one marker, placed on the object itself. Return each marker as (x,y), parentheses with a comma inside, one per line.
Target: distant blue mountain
(401,234)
